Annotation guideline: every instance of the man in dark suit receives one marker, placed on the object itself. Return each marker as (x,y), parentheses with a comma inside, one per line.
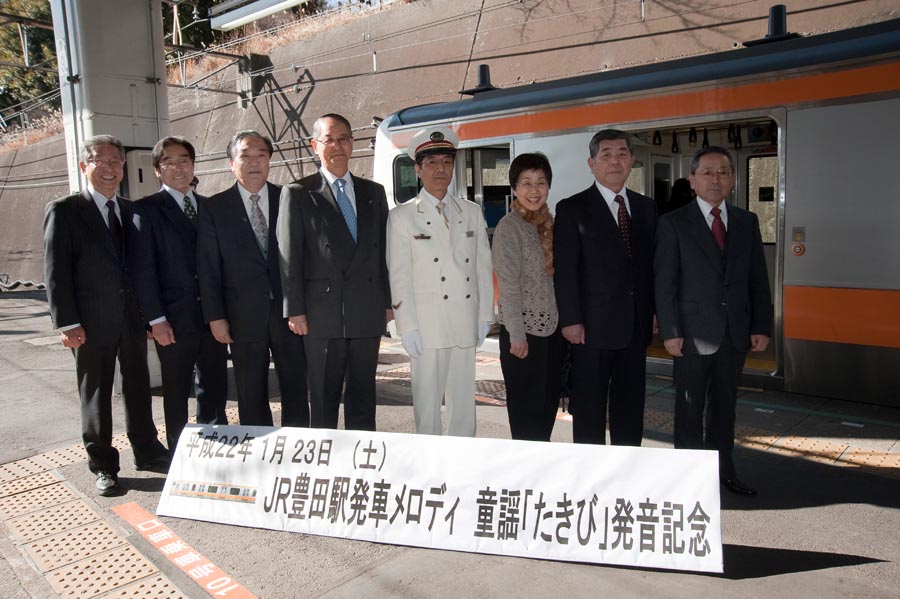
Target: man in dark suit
(92,304)
(331,236)
(714,303)
(240,286)
(603,243)
(164,271)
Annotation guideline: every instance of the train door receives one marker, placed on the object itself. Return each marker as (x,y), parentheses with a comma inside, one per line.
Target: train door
(753,145)
(759,171)
(485,171)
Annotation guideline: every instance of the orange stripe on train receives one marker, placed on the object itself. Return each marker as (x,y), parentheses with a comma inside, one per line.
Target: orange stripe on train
(727,98)
(837,315)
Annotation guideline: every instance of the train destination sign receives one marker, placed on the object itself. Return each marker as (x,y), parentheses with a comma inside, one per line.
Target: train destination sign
(645,507)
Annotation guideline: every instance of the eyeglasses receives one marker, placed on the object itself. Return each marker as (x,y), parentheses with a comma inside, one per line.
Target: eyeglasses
(437,161)
(178,163)
(111,163)
(709,173)
(330,141)
(529,185)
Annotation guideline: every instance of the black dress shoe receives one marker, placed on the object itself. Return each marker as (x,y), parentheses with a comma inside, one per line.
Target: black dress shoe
(107,484)
(159,464)
(736,486)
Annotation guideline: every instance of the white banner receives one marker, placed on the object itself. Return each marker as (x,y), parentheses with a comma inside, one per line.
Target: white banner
(647,507)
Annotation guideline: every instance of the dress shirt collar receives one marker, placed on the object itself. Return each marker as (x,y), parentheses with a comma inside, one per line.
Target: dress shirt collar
(706,209)
(331,178)
(100,201)
(262,193)
(348,184)
(263,200)
(179,197)
(433,200)
(609,196)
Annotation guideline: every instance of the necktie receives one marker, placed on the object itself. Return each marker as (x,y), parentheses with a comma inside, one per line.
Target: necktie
(346,207)
(115,227)
(624,223)
(189,210)
(440,208)
(258,222)
(718,228)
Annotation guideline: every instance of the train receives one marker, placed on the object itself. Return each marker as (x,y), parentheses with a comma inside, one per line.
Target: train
(814,125)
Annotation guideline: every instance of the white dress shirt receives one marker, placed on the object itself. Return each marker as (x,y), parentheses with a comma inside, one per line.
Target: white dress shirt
(610,197)
(348,186)
(706,209)
(263,201)
(179,197)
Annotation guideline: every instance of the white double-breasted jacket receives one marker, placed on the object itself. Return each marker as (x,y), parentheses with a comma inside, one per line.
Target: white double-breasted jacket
(441,278)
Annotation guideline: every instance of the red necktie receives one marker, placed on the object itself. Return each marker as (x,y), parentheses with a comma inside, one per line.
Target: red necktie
(624,223)
(718,228)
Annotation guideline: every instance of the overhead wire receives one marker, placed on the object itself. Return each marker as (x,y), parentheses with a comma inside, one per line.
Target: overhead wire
(282,68)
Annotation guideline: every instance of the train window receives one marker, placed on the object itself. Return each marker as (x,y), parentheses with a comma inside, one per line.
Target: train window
(487,181)
(762,186)
(406,183)
(636,178)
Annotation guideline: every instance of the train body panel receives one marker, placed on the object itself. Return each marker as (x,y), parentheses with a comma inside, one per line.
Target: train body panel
(812,123)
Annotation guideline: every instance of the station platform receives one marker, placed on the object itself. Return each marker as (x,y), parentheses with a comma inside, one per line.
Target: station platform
(824,523)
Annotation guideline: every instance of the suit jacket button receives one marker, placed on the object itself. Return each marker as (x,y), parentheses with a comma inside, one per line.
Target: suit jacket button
(467,279)
(630,292)
(468,296)
(724,304)
(435,259)
(467,260)
(445,297)
(443,278)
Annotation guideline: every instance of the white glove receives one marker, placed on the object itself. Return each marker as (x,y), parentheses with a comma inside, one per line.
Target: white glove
(412,343)
(483,328)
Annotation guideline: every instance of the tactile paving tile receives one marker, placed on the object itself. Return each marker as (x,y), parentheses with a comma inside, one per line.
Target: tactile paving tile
(490,388)
(878,462)
(754,438)
(394,373)
(35,499)
(20,468)
(810,448)
(66,456)
(73,545)
(20,485)
(101,573)
(121,442)
(657,420)
(157,587)
(58,518)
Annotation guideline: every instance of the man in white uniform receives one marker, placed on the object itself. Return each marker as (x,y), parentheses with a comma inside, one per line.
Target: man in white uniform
(439,263)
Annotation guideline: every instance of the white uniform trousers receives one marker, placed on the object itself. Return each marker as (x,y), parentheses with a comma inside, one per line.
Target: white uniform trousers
(447,373)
